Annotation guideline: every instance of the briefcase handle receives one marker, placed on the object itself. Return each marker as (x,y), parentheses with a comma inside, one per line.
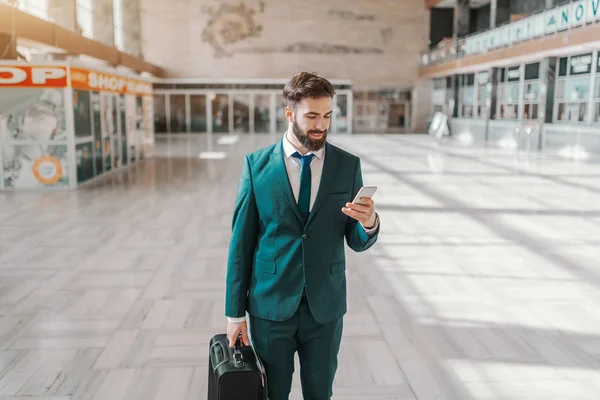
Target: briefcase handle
(238,357)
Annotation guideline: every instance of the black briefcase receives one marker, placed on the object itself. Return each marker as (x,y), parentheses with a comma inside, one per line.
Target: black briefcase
(235,374)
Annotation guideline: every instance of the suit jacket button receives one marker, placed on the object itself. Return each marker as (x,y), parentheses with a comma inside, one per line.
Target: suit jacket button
(305,236)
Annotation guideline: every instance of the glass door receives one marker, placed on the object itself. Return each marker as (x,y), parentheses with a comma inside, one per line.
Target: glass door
(178,118)
(198,120)
(340,112)
(220,113)
(241,113)
(282,122)
(262,112)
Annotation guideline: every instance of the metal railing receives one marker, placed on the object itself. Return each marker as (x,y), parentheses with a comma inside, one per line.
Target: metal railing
(569,15)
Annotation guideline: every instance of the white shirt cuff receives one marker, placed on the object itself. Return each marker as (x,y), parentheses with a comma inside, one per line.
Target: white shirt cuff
(374,228)
(236,320)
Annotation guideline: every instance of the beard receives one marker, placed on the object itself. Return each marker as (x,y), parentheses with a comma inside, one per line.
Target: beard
(305,140)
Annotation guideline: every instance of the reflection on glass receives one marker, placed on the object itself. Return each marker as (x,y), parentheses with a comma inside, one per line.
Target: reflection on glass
(160,113)
(116,144)
(220,113)
(241,113)
(577,88)
(282,122)
(81,113)
(530,111)
(341,113)
(508,111)
(532,91)
(560,90)
(198,121)
(572,112)
(177,103)
(97,124)
(262,113)
(122,108)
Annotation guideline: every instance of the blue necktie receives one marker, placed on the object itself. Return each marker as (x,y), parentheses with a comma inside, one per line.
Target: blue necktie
(305,180)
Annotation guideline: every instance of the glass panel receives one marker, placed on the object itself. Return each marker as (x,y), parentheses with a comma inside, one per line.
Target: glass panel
(177,103)
(122,108)
(468,95)
(530,111)
(262,113)
(84,18)
(597,112)
(532,71)
(160,113)
(508,111)
(198,121)
(562,112)
(582,112)
(532,91)
(560,90)
(341,113)
(397,115)
(512,93)
(467,111)
(598,86)
(241,113)
(562,68)
(106,129)
(114,130)
(81,113)
(282,122)
(97,123)
(220,113)
(577,88)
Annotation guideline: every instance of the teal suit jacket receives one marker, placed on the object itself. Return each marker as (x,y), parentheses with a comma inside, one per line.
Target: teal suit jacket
(273,255)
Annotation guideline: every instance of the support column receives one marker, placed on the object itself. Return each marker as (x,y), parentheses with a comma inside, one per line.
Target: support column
(8,47)
(102,22)
(462,18)
(493,13)
(549,82)
(63,13)
(421,105)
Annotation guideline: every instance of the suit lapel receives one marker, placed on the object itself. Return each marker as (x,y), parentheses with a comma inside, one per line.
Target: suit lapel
(281,176)
(327,178)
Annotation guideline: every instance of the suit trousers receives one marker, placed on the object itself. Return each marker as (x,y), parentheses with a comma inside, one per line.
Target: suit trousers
(318,345)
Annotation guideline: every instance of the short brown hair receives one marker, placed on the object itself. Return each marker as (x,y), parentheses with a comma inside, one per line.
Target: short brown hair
(306,84)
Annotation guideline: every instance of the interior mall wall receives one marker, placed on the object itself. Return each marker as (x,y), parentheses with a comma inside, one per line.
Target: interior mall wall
(372,43)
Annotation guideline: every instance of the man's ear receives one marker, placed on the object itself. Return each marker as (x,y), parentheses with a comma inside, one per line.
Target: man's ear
(289,114)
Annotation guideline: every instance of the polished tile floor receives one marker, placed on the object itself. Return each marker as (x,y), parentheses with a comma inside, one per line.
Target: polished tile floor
(485,282)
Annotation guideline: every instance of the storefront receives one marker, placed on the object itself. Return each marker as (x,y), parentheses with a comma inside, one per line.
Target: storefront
(381,110)
(576,111)
(184,108)
(64,124)
(441,95)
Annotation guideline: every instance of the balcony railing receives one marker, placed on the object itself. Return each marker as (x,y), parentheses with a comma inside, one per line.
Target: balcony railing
(575,14)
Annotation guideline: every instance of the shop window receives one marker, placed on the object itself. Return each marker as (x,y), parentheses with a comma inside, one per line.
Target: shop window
(573,89)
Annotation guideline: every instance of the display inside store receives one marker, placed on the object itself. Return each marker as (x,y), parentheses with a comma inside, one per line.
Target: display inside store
(62,125)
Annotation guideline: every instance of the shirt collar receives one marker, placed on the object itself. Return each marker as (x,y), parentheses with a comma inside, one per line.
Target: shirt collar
(290,146)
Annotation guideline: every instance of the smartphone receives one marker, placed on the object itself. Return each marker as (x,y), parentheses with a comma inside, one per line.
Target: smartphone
(365,191)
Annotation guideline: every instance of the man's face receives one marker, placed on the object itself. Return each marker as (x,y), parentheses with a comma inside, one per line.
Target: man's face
(311,122)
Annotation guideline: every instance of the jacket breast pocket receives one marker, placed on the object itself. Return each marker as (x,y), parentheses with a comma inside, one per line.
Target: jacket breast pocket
(268,267)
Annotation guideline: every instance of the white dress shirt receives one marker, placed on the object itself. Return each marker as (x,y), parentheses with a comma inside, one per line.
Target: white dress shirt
(293,166)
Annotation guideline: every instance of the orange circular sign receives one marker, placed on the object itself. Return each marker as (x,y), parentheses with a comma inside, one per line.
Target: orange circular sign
(47,170)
